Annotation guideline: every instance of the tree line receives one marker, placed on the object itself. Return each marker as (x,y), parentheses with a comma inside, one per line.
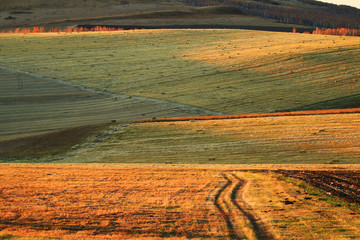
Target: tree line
(319,14)
(57,30)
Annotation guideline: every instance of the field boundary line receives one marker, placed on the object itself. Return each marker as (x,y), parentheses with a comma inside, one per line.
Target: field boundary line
(256,115)
(171,104)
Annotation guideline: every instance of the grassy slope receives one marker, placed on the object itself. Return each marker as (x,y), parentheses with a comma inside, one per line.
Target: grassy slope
(229,71)
(275,140)
(45,4)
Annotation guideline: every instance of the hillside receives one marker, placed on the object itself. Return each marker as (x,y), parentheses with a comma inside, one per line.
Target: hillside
(304,12)
(227,71)
(285,13)
(319,139)
(161,14)
(11,5)
(45,104)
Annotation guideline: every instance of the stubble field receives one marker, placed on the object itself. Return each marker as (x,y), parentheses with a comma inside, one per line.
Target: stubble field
(153,202)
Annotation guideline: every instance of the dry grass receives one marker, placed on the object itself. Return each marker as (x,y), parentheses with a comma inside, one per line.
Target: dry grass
(306,218)
(276,140)
(96,202)
(230,71)
(153,202)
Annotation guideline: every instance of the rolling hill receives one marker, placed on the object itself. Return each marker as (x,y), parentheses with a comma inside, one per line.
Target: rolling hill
(227,71)
(294,13)
(165,73)
(214,71)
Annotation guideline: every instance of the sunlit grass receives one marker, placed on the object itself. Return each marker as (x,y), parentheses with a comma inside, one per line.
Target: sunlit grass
(321,139)
(230,71)
(155,202)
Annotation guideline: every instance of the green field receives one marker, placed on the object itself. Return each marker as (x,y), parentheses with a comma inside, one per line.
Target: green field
(228,71)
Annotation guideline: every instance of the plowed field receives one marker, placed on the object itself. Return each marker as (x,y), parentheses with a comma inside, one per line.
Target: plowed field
(343,184)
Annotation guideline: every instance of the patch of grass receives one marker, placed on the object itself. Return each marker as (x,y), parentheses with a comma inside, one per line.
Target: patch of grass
(321,195)
(306,218)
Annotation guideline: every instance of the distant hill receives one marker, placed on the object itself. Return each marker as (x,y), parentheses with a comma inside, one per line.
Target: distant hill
(292,12)
(11,5)
(303,12)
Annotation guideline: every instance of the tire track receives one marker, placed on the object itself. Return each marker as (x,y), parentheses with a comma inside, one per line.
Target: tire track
(223,208)
(258,226)
(240,221)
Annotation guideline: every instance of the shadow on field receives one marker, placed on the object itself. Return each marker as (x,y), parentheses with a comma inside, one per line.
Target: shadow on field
(47,144)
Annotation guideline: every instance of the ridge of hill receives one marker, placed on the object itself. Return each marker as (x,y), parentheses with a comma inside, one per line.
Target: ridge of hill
(304,12)
(294,13)
(131,13)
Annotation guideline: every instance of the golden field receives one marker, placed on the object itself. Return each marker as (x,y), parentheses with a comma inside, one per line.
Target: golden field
(324,139)
(153,202)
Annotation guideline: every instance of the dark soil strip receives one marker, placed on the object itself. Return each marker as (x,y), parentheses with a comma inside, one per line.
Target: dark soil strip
(343,184)
(203,26)
(257,115)
(49,143)
(224,214)
(259,229)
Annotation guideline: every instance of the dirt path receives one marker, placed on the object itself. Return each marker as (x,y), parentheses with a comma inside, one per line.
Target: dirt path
(31,104)
(241,222)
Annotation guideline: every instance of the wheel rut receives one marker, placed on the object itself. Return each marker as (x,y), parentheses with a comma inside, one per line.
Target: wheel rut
(241,222)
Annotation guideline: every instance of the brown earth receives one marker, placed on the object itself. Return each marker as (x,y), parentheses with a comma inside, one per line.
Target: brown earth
(342,183)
